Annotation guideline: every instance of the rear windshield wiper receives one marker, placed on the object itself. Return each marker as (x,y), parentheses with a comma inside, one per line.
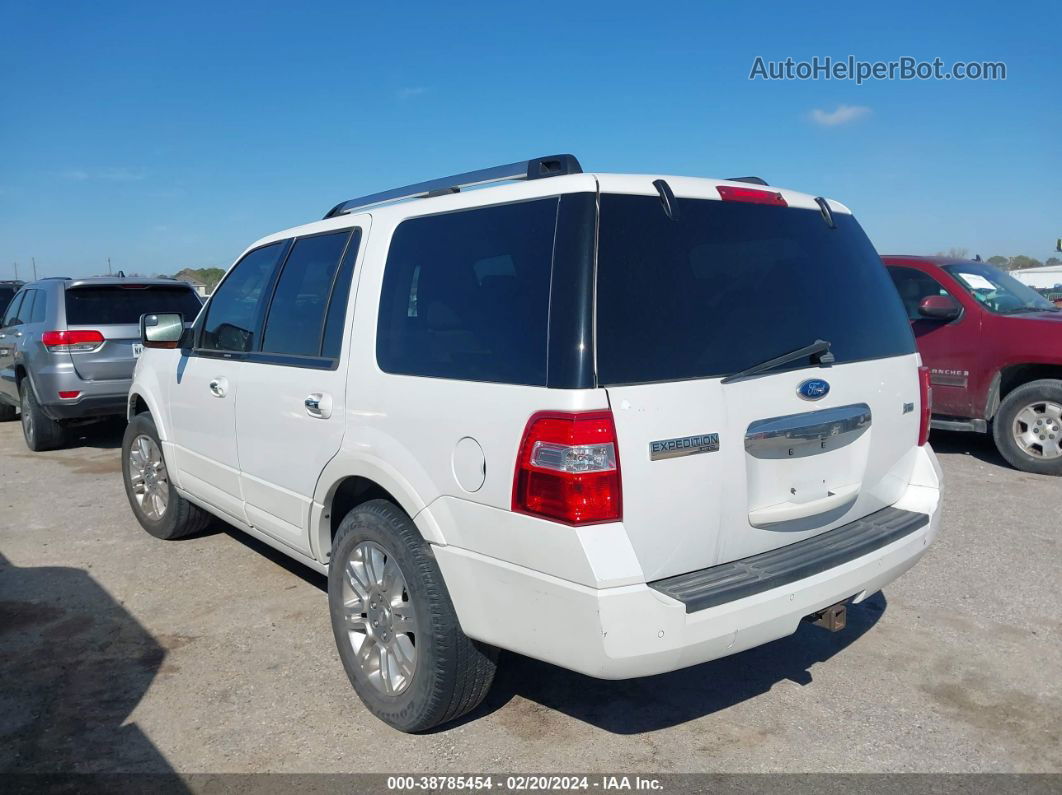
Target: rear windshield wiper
(818,352)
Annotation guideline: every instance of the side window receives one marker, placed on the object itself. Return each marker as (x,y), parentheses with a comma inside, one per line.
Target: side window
(297,313)
(37,313)
(337,304)
(233,311)
(466,294)
(11,315)
(913,286)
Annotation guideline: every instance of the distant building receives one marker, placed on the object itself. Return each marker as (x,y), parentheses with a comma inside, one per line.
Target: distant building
(198,286)
(1047,276)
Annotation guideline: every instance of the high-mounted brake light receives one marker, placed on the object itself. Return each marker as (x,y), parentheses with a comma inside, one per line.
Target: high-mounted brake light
(568,468)
(729,193)
(72,341)
(926,395)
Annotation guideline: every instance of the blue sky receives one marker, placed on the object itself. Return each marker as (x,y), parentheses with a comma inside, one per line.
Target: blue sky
(172,135)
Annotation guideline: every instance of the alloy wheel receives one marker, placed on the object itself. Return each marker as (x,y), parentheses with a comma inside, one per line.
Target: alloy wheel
(380,621)
(27,421)
(1038,430)
(148,477)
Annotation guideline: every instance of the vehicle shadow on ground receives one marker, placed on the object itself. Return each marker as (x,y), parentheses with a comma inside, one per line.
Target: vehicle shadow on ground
(301,571)
(75,664)
(978,445)
(657,702)
(651,703)
(103,435)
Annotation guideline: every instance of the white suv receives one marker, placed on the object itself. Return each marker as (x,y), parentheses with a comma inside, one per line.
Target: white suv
(623,424)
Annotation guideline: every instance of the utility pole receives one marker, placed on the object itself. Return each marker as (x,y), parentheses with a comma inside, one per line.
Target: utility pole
(16,270)
(108,266)
(34,261)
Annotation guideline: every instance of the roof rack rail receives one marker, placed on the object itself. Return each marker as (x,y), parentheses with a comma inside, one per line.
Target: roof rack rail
(750,180)
(536,168)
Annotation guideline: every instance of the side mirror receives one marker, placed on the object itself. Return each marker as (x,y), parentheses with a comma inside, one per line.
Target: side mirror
(939,307)
(161,331)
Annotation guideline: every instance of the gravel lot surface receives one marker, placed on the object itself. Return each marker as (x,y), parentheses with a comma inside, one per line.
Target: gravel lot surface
(119,652)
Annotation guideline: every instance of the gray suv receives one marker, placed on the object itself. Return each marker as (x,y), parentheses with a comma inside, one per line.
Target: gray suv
(68,348)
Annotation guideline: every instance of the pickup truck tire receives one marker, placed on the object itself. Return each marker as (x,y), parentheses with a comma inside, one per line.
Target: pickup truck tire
(7,412)
(154,499)
(1028,427)
(395,626)
(41,431)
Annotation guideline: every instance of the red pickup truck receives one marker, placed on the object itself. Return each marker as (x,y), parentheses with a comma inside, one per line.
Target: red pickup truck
(994,349)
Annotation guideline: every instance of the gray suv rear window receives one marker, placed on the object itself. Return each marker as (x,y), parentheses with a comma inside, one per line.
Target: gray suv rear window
(113,305)
(726,285)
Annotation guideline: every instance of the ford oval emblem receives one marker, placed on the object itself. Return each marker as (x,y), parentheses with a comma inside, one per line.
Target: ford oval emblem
(813,389)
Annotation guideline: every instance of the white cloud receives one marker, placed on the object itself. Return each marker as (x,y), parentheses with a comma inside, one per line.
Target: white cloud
(844,114)
(107,174)
(410,91)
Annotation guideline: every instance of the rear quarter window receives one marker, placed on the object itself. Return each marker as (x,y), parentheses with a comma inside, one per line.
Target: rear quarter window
(113,305)
(466,294)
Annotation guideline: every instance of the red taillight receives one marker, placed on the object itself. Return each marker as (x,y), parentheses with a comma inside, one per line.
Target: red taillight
(69,395)
(729,193)
(72,341)
(926,395)
(568,468)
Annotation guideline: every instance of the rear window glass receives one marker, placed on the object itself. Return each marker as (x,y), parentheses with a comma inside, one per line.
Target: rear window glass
(728,285)
(123,305)
(466,294)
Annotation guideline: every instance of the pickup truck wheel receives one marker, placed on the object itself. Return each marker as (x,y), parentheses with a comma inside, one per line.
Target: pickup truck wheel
(1028,427)
(7,412)
(395,626)
(154,499)
(41,431)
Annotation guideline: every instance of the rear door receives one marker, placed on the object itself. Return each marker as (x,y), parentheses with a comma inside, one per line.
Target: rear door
(290,412)
(715,471)
(948,347)
(114,310)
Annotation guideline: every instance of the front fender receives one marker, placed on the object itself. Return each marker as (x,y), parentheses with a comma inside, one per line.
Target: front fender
(150,388)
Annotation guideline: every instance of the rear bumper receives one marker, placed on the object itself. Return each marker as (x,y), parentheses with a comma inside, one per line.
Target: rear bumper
(637,630)
(96,398)
(86,407)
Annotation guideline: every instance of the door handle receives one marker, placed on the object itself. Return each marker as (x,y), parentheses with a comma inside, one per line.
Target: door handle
(318,405)
(218,387)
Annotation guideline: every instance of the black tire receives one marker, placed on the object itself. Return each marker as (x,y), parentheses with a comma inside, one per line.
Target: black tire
(1030,394)
(452,673)
(7,412)
(180,518)
(41,431)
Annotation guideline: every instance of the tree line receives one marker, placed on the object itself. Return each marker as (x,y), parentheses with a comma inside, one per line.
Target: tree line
(1017,263)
